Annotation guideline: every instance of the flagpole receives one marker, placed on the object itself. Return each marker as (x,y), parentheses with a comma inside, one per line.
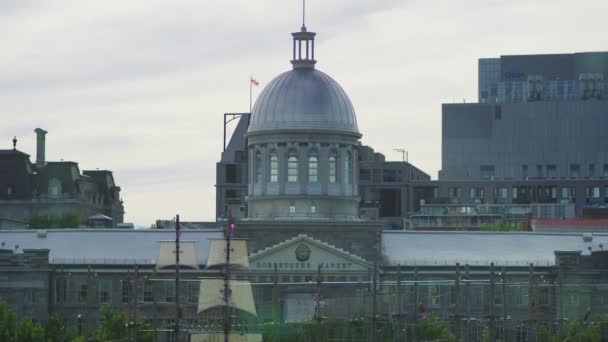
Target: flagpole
(250,92)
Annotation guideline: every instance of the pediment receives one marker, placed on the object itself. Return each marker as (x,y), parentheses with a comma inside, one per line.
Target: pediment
(304,254)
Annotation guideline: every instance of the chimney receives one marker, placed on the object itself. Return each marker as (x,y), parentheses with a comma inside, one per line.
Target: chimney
(40,147)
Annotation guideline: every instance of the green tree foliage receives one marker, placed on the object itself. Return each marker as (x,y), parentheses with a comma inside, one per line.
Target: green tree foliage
(70,220)
(433,329)
(114,327)
(11,330)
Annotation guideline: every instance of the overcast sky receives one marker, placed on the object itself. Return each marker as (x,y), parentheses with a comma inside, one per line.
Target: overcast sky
(139,87)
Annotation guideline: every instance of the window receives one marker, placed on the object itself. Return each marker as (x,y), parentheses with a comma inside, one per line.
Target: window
(486,171)
(551,171)
(192,292)
(543,296)
(575,170)
(476,193)
(332,169)
(231,173)
(292,168)
(591,170)
(30,297)
(104,287)
(539,171)
(168,291)
(391,175)
(61,286)
(593,192)
(82,292)
(605,170)
(565,193)
(365,175)
(454,192)
(274,167)
(258,167)
(313,207)
(347,169)
(497,112)
(9,190)
(148,291)
(434,295)
(313,168)
(501,194)
(292,207)
(54,187)
(126,291)
(524,171)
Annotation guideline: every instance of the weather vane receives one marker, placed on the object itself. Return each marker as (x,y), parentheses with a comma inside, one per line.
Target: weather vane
(14,143)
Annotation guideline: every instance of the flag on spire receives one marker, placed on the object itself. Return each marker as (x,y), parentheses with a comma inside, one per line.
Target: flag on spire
(255,82)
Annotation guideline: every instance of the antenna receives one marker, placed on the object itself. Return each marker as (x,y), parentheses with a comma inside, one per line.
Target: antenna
(303,15)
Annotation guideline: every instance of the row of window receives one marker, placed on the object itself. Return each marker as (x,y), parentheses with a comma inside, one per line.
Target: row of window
(163,291)
(548,171)
(549,191)
(293,168)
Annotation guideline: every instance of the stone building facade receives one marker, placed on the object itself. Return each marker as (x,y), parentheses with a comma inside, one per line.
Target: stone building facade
(53,189)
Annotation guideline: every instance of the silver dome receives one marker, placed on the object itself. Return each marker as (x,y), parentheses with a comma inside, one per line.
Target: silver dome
(303,99)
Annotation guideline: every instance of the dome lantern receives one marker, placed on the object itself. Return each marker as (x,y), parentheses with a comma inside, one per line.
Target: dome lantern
(303,45)
(303,49)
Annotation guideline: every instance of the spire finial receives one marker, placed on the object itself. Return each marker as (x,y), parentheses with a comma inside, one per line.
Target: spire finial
(14,143)
(303,15)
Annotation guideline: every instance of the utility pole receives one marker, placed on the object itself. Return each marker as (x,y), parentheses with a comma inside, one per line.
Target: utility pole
(531,300)
(178,313)
(154,306)
(135,294)
(227,282)
(62,296)
(275,296)
(457,313)
(505,310)
(467,293)
(399,304)
(492,305)
(86,311)
(372,335)
(318,299)
(416,300)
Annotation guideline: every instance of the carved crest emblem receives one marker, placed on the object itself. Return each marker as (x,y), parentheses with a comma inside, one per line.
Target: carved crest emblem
(302,252)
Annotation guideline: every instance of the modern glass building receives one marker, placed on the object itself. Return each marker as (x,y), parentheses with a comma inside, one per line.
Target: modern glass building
(522,78)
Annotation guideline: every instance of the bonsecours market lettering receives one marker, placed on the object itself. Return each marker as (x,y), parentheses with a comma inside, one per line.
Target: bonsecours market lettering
(304,265)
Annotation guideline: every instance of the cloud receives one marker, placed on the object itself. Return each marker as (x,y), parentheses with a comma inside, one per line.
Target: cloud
(140,88)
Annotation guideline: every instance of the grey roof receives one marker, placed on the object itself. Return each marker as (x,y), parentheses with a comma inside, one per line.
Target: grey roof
(482,248)
(105,246)
(303,99)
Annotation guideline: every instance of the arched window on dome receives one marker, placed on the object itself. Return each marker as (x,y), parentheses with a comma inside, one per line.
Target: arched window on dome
(258,167)
(274,167)
(292,168)
(347,168)
(313,169)
(332,168)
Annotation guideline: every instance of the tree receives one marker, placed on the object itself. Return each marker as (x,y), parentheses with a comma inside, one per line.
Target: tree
(30,331)
(432,328)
